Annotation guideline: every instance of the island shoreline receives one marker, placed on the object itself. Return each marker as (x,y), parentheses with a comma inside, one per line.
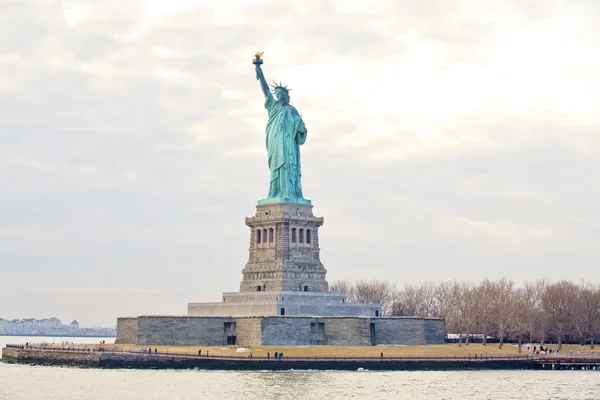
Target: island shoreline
(143,360)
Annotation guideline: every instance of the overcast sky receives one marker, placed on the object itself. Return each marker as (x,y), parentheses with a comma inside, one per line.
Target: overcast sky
(446,140)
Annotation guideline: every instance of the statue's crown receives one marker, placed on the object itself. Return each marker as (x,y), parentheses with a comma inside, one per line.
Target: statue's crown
(279,86)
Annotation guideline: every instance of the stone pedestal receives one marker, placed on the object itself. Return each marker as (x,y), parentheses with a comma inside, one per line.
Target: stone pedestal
(284,275)
(284,250)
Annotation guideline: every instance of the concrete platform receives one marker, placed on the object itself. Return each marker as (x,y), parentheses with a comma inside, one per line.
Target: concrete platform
(272,303)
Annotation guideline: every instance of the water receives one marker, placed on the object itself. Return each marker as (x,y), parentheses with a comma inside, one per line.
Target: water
(19,382)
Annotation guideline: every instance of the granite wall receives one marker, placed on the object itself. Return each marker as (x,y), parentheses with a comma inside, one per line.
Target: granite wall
(352,331)
(249,331)
(434,331)
(312,307)
(280,331)
(53,357)
(181,331)
(407,331)
(127,330)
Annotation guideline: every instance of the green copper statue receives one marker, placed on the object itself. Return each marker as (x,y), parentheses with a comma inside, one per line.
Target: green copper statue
(285,133)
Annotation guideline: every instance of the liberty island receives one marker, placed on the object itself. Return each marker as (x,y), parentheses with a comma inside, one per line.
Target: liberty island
(284,297)
(283,300)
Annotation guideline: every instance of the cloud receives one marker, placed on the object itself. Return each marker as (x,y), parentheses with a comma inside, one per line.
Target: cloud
(85,291)
(503,232)
(446,139)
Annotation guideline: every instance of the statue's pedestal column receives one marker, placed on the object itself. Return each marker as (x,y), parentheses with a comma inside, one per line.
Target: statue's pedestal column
(284,250)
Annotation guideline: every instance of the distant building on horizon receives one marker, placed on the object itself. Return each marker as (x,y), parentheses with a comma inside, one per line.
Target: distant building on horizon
(50,327)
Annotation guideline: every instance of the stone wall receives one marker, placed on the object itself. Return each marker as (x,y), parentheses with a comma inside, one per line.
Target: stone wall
(298,331)
(313,307)
(406,331)
(249,331)
(295,303)
(127,330)
(232,309)
(286,261)
(54,357)
(347,331)
(351,331)
(434,331)
(181,331)
(282,331)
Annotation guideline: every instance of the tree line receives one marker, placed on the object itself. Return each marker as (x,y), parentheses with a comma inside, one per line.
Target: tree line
(535,311)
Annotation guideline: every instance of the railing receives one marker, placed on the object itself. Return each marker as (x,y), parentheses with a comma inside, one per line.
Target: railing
(250,357)
(52,347)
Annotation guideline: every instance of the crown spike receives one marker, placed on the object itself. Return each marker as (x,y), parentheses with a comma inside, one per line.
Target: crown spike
(279,86)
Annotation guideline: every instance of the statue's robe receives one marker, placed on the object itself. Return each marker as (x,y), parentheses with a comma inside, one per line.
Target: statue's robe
(283,145)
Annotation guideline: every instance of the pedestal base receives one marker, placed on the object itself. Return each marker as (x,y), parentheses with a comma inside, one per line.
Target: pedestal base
(278,200)
(261,304)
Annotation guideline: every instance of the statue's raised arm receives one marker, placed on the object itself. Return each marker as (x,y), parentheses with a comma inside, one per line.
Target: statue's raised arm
(260,76)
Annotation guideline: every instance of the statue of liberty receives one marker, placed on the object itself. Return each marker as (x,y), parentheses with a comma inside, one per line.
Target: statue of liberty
(285,133)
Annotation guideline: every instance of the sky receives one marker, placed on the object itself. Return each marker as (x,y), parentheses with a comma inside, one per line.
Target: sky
(446,140)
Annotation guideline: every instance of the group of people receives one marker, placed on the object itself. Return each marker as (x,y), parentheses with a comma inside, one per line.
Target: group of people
(548,351)
(54,346)
(20,346)
(541,350)
(46,345)
(277,355)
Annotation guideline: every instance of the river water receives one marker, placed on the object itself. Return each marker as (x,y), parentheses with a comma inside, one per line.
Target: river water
(20,382)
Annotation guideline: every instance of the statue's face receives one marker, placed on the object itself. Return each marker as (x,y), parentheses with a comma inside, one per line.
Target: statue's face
(282,96)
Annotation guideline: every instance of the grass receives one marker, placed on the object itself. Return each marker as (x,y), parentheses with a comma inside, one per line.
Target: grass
(573,348)
(359,351)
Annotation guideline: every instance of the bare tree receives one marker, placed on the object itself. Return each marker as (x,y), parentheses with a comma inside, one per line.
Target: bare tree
(484,306)
(346,287)
(408,302)
(428,302)
(375,292)
(579,315)
(536,310)
(519,315)
(462,316)
(443,300)
(502,294)
(364,291)
(588,313)
(532,296)
(559,302)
